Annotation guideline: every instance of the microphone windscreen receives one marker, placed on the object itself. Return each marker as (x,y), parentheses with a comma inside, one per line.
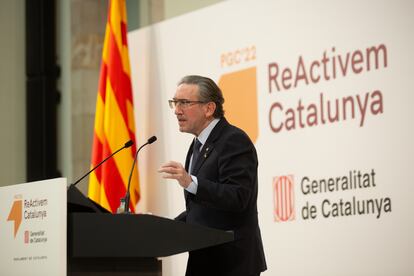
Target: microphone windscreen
(128,144)
(152,139)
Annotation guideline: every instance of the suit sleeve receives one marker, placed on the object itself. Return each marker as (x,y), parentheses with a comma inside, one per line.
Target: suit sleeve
(236,176)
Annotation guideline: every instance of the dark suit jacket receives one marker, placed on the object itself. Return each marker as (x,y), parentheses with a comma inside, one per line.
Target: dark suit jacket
(226,199)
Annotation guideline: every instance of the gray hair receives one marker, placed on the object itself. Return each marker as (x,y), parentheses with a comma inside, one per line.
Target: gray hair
(208,91)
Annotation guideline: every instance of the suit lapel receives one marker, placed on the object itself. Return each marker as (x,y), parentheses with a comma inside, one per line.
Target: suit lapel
(205,152)
(208,146)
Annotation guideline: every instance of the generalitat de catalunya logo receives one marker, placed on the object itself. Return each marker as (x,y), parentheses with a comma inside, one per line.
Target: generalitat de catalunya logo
(283,198)
(16,215)
(240,94)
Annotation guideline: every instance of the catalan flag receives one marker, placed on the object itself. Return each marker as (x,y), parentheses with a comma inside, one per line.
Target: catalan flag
(114,118)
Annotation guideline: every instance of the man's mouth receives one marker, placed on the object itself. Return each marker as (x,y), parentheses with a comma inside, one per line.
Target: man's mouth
(181,120)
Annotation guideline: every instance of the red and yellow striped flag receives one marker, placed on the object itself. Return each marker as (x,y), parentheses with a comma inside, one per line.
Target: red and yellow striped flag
(114,118)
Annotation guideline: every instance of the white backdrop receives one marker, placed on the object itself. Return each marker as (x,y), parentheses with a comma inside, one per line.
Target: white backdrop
(291,64)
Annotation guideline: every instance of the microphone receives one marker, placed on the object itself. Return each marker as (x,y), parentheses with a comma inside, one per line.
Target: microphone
(126,145)
(125,200)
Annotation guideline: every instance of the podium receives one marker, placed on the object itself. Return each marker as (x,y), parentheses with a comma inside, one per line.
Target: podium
(100,243)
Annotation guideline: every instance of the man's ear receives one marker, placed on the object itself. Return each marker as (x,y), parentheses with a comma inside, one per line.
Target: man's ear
(211,108)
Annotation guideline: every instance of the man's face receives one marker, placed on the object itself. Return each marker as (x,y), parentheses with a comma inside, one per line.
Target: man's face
(194,117)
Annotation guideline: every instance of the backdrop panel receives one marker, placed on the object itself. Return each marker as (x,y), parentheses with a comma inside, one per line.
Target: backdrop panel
(324,90)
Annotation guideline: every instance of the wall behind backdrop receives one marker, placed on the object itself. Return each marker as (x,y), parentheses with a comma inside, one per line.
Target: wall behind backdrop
(12,93)
(323,88)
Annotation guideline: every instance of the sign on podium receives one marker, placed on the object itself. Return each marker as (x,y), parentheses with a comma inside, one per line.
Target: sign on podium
(33,228)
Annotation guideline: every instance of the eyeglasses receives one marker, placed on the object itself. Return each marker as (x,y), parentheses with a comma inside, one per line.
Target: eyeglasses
(182,103)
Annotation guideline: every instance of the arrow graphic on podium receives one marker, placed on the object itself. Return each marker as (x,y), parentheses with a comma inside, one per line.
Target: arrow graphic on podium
(16,215)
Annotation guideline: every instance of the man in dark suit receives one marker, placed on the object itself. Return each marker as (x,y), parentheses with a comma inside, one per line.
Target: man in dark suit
(220,181)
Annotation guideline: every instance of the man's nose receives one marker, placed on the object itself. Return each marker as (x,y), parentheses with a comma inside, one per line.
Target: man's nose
(178,110)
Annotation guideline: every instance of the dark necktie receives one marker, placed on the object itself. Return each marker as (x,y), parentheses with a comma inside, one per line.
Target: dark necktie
(196,153)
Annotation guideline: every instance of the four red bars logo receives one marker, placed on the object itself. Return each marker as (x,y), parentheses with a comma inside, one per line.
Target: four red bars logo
(283,198)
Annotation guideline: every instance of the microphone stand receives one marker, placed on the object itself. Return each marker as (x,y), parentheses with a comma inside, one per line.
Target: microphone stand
(127,145)
(125,200)
(76,200)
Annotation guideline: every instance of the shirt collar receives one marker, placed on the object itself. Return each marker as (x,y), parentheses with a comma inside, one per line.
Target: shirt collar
(206,132)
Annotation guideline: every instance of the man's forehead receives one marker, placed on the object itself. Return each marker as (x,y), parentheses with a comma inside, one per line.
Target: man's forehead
(185,90)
